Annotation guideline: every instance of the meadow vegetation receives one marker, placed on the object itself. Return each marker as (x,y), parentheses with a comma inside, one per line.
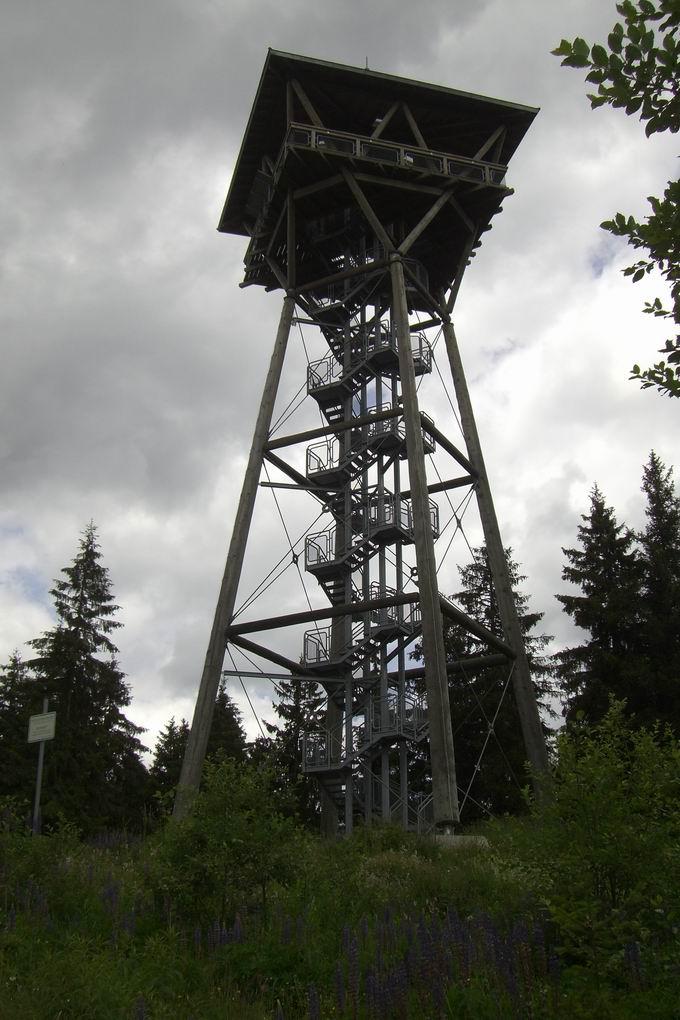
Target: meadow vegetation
(572,911)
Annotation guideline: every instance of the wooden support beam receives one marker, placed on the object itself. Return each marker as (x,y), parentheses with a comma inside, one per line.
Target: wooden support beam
(423,291)
(346,274)
(194,756)
(444,789)
(461,212)
(473,627)
(312,189)
(328,430)
(378,130)
(412,123)
(367,210)
(307,104)
(316,615)
(271,656)
(447,445)
(295,476)
(525,695)
(452,483)
(291,244)
(425,221)
(402,185)
(497,135)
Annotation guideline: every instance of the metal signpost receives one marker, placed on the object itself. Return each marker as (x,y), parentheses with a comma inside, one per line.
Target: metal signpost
(40,728)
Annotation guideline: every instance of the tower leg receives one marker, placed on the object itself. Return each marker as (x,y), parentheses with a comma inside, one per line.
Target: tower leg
(194,756)
(444,790)
(525,697)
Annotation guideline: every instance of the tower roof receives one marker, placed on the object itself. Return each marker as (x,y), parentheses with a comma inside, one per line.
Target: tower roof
(355,99)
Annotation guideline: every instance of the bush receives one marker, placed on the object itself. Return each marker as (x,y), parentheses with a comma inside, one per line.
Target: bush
(605,846)
(233,846)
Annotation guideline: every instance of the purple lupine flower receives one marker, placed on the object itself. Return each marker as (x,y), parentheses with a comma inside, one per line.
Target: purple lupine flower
(438,997)
(300,928)
(353,975)
(554,977)
(340,987)
(539,946)
(287,930)
(363,928)
(370,993)
(140,1008)
(633,962)
(237,930)
(314,1005)
(197,939)
(279,1011)
(346,937)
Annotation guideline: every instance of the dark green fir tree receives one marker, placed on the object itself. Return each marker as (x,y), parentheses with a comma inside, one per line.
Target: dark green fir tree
(483,711)
(17,757)
(300,708)
(227,737)
(607,570)
(94,775)
(659,699)
(227,740)
(168,756)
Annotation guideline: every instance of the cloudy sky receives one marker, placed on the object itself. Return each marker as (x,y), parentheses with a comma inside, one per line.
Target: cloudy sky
(132,363)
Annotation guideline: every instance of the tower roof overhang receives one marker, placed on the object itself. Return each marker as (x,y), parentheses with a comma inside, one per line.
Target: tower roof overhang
(351,99)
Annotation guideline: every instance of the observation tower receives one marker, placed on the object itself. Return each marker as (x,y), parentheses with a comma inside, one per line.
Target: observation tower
(363,197)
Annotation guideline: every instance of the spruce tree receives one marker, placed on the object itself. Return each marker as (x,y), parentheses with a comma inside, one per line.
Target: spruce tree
(227,737)
(227,740)
(300,707)
(607,570)
(94,776)
(660,555)
(168,756)
(496,779)
(17,757)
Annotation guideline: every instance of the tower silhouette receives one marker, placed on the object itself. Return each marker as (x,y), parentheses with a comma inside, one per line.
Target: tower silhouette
(364,196)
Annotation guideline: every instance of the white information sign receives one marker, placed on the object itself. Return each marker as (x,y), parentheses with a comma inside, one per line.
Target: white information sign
(41,727)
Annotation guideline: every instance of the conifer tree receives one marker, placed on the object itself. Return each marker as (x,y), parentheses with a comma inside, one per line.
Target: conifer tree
(300,707)
(476,697)
(660,605)
(607,569)
(94,775)
(227,737)
(168,756)
(17,757)
(227,740)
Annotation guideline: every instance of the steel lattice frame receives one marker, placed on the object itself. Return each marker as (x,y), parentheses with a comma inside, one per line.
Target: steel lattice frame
(368,231)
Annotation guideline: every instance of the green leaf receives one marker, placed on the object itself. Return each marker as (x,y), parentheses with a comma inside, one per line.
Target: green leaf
(563,50)
(599,55)
(614,42)
(581,47)
(575,61)
(634,105)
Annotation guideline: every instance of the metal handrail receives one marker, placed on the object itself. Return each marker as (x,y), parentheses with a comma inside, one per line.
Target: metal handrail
(342,143)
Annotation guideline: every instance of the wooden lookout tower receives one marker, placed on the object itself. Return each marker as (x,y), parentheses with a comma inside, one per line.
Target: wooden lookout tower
(363,197)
